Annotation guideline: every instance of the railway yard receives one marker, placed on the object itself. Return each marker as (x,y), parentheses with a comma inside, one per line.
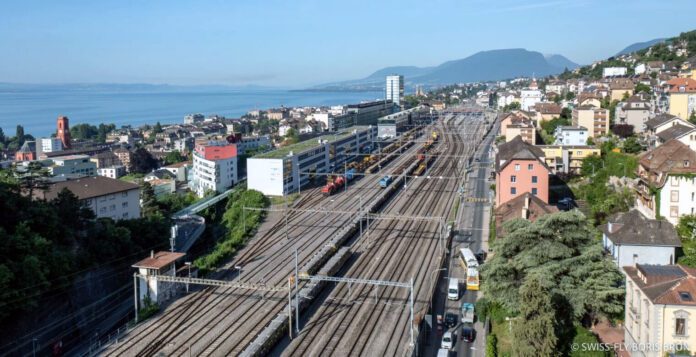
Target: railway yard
(402,237)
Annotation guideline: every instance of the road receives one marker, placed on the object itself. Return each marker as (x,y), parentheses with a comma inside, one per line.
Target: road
(473,216)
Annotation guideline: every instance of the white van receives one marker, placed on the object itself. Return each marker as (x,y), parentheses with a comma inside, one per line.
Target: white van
(453,290)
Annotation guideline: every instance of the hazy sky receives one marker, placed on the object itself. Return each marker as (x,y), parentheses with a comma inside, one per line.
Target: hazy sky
(286,42)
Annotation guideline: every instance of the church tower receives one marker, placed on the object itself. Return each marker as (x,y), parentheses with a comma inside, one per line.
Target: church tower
(63,132)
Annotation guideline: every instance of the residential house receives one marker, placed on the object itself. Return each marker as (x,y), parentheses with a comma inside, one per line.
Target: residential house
(547,111)
(567,158)
(620,87)
(520,168)
(660,308)
(667,186)
(555,86)
(525,206)
(514,118)
(688,68)
(684,133)
(635,111)
(682,97)
(124,157)
(524,129)
(530,96)
(655,66)
(106,197)
(595,119)
(506,98)
(105,159)
(591,99)
(570,135)
(113,172)
(630,238)
(660,123)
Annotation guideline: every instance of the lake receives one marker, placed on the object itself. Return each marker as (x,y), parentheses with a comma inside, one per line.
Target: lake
(37,109)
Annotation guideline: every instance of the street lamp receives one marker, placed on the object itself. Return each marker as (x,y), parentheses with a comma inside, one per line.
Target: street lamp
(239,268)
(188,264)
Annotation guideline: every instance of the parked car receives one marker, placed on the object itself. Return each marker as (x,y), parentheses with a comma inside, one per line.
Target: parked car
(447,341)
(450,319)
(468,334)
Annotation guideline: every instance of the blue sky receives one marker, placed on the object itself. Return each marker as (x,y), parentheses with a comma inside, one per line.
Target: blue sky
(301,42)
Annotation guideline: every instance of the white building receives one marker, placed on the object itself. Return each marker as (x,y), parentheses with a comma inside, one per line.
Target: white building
(72,166)
(106,197)
(160,263)
(179,170)
(214,167)
(666,186)
(614,71)
(640,68)
(285,170)
(529,97)
(113,172)
(395,89)
(571,135)
(194,118)
(51,144)
(630,238)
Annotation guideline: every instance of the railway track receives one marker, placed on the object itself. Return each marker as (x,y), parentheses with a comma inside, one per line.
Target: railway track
(365,324)
(222,321)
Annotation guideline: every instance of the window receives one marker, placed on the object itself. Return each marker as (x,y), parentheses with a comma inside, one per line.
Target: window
(674,181)
(124,194)
(534,191)
(680,328)
(674,196)
(530,167)
(513,178)
(674,211)
(517,167)
(513,190)
(124,204)
(534,179)
(113,207)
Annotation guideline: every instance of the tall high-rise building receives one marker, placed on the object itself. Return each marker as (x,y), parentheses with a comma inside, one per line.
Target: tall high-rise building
(63,132)
(395,88)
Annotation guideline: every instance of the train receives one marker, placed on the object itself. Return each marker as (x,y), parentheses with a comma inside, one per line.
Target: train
(385,181)
(338,182)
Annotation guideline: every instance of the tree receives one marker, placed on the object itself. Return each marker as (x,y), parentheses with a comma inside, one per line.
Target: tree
(512,106)
(632,146)
(157,128)
(142,161)
(560,248)
(32,177)
(492,345)
(19,135)
(622,130)
(2,137)
(569,95)
(84,132)
(533,330)
(174,157)
(291,136)
(149,200)
(566,113)
(692,117)
(642,88)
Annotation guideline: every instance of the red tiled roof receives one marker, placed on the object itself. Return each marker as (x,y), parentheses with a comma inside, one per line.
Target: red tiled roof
(158,260)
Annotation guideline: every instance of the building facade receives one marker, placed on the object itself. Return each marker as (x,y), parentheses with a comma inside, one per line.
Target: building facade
(63,132)
(567,158)
(106,197)
(660,308)
(520,168)
(395,89)
(286,170)
(596,120)
(51,144)
(571,135)
(72,166)
(214,167)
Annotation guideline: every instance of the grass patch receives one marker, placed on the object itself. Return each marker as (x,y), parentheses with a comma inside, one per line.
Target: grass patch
(454,211)
(502,333)
(148,309)
(239,226)
(134,177)
(280,200)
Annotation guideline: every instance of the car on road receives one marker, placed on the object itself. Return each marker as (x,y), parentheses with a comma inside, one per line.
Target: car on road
(478,160)
(447,341)
(453,289)
(468,334)
(451,319)
(481,256)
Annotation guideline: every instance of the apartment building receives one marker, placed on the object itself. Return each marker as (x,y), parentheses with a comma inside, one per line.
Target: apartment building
(635,111)
(214,167)
(570,135)
(567,158)
(682,97)
(595,119)
(521,168)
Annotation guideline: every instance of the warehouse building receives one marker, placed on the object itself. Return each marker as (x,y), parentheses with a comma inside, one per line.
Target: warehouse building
(285,170)
(393,125)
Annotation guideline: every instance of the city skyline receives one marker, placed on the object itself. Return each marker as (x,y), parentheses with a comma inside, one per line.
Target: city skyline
(303,43)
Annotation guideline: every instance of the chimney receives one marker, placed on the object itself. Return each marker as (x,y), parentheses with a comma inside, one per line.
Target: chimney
(152,254)
(525,209)
(609,226)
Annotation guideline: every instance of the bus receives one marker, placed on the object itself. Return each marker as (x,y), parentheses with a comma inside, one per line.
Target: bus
(472,279)
(467,258)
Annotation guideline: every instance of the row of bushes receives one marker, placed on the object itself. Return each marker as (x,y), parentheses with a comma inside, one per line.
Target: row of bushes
(239,225)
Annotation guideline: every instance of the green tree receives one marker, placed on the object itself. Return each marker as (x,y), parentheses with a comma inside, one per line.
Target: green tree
(642,88)
(560,248)
(632,146)
(149,200)
(692,117)
(291,136)
(142,161)
(3,139)
(174,157)
(512,106)
(157,128)
(569,95)
(19,135)
(533,330)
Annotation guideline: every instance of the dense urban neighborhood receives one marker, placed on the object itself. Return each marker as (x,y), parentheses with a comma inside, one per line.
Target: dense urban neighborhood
(549,215)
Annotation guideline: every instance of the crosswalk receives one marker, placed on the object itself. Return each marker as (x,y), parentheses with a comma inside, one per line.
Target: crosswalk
(476,199)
